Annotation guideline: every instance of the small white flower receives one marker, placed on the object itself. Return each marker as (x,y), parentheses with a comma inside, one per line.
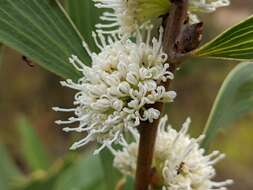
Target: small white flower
(113,94)
(130,15)
(204,6)
(178,160)
(207,5)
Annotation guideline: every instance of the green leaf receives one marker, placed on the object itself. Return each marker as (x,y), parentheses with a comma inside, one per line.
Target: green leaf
(234,100)
(236,43)
(85,15)
(98,186)
(32,147)
(73,173)
(42,31)
(41,180)
(106,158)
(38,181)
(8,170)
(129,184)
(85,174)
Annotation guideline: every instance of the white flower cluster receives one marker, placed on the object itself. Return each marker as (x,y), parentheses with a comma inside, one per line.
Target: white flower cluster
(204,6)
(113,94)
(130,15)
(178,160)
(207,5)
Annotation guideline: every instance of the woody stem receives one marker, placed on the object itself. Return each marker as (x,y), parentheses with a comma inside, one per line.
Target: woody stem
(148,131)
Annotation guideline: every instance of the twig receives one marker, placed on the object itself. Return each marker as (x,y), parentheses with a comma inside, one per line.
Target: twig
(145,152)
(173,28)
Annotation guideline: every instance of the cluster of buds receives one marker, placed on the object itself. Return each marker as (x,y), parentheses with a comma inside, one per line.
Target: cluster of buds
(130,15)
(178,162)
(113,94)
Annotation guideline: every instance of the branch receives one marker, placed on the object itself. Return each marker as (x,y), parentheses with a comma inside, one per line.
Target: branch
(145,152)
(174,27)
(148,131)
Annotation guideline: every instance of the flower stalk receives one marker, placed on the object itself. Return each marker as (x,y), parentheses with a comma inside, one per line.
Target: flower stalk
(148,133)
(173,28)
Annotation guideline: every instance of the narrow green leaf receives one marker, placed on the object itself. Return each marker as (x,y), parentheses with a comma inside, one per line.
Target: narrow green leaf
(98,186)
(41,180)
(234,100)
(42,31)
(129,184)
(107,163)
(73,173)
(37,182)
(32,147)
(8,170)
(236,43)
(85,15)
(85,174)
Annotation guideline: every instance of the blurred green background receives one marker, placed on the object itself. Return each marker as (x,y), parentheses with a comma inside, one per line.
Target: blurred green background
(27,94)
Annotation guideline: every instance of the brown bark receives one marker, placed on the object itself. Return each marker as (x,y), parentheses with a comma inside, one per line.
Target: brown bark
(148,131)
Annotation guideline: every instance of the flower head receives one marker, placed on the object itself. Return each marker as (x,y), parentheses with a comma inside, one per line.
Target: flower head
(204,6)
(130,15)
(179,162)
(113,94)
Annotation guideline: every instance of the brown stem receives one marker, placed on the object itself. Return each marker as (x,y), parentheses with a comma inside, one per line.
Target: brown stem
(173,27)
(145,152)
